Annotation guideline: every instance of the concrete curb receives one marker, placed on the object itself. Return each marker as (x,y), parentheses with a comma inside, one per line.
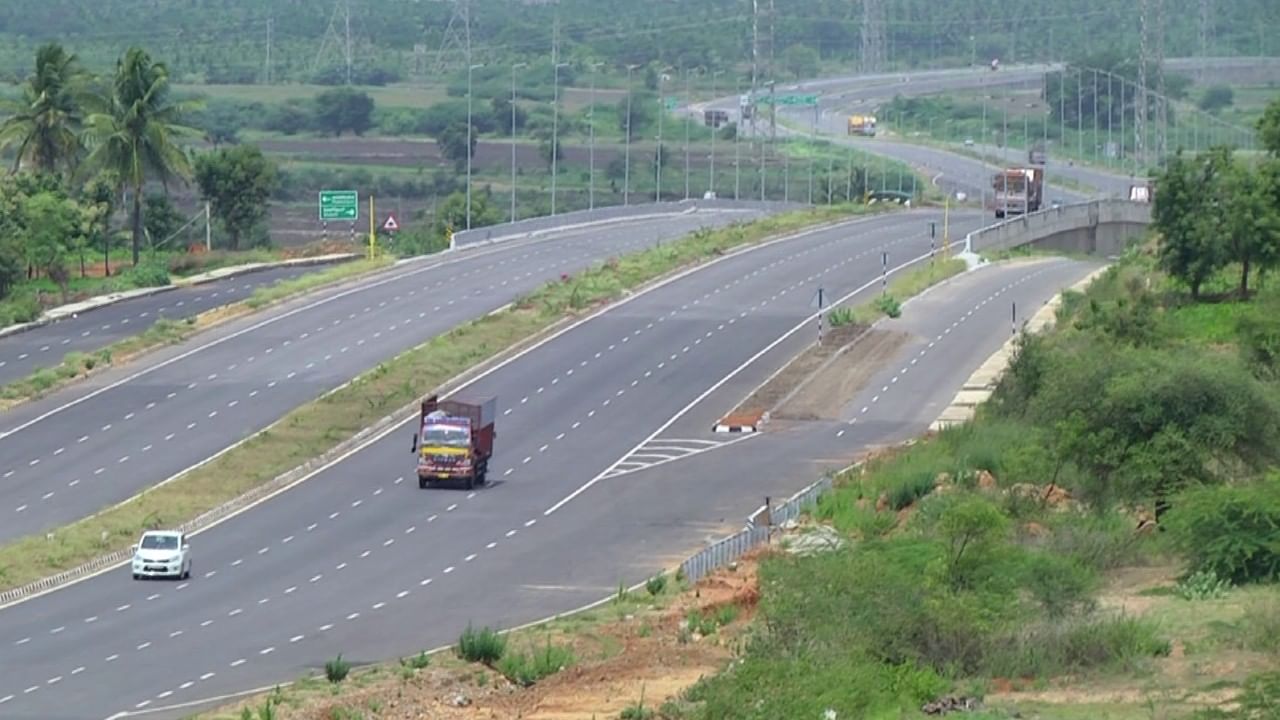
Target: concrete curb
(978,388)
(55,314)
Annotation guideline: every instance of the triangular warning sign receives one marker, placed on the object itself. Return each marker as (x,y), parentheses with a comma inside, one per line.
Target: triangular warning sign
(391,224)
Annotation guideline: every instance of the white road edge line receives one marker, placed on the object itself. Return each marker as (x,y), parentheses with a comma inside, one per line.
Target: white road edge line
(519,355)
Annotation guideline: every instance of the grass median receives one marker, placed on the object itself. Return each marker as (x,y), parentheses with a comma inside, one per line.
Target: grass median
(78,365)
(312,429)
(899,290)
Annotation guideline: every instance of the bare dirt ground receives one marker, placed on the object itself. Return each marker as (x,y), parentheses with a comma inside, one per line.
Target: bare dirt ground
(623,650)
(824,377)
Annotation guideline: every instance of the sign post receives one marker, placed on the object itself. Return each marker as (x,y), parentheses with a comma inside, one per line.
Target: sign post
(391,225)
(817,302)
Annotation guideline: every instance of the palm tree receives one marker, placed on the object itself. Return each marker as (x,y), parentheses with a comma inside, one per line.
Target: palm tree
(45,124)
(134,130)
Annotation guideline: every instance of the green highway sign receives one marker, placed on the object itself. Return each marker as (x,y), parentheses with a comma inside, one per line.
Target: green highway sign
(339,205)
(792,99)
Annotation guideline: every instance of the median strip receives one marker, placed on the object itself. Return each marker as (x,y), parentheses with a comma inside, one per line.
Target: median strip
(77,366)
(315,434)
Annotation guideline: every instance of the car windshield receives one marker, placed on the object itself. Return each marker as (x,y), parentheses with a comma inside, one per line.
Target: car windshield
(451,435)
(160,542)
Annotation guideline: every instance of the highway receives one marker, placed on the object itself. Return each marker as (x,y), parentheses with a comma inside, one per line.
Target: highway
(23,353)
(101,441)
(278,589)
(842,96)
(357,560)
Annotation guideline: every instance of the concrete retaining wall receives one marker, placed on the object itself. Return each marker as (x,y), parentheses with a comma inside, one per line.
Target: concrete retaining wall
(1096,227)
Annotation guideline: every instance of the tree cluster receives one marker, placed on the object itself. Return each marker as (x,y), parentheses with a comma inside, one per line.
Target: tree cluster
(81,142)
(1217,210)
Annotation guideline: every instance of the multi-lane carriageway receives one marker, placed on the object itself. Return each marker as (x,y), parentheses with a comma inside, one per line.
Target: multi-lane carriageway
(342,563)
(347,560)
(100,442)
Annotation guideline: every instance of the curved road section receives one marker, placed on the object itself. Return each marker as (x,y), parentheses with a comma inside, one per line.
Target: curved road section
(102,441)
(349,559)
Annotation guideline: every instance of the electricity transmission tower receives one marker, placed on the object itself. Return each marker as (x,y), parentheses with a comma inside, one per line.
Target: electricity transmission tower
(341,12)
(873,35)
(1206,31)
(457,37)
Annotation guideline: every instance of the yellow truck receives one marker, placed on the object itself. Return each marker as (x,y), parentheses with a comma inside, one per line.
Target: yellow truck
(862,125)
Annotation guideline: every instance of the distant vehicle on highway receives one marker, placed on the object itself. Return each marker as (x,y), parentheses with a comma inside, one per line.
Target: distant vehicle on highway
(1017,191)
(1036,155)
(968,142)
(862,125)
(162,553)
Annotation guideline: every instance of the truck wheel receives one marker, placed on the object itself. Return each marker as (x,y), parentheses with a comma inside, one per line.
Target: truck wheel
(471,481)
(422,483)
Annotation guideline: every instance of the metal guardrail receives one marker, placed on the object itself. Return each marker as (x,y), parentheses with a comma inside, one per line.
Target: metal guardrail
(758,530)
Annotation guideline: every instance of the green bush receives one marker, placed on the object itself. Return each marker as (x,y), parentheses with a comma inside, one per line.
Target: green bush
(527,669)
(483,646)
(656,584)
(888,305)
(337,669)
(417,662)
(911,489)
(146,274)
(1233,531)
(1062,585)
(1202,585)
(841,316)
(1058,648)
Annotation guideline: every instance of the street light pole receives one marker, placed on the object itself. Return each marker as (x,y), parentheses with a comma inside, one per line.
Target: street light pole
(626,172)
(687,98)
(555,120)
(469,69)
(591,151)
(714,127)
(513,138)
(737,140)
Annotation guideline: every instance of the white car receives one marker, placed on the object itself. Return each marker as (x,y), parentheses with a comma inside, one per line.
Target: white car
(162,553)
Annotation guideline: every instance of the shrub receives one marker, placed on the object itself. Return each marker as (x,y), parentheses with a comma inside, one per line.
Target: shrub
(1049,649)
(525,670)
(1202,585)
(337,669)
(841,316)
(1230,530)
(656,584)
(146,274)
(911,489)
(483,646)
(417,662)
(1061,585)
(888,305)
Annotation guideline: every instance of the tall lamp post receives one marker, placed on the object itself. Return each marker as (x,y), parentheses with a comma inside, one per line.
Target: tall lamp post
(469,69)
(714,127)
(626,153)
(662,110)
(555,120)
(591,145)
(513,138)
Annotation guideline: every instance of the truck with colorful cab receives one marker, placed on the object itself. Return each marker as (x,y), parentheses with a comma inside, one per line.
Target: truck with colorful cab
(454,441)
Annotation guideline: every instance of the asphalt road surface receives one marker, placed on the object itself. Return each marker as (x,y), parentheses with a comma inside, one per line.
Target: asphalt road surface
(101,441)
(26,352)
(342,561)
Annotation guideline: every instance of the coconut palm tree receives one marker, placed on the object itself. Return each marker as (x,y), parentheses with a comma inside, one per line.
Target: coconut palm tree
(44,125)
(134,131)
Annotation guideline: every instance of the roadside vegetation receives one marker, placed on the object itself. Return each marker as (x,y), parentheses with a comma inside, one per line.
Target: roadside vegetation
(314,429)
(1134,452)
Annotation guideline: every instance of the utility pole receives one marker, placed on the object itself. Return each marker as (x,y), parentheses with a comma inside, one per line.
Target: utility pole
(1140,111)
(346,9)
(873,35)
(269,23)
(755,58)
(1206,28)
(1162,114)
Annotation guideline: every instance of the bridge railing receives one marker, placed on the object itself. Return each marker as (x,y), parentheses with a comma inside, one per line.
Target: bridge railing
(1032,227)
